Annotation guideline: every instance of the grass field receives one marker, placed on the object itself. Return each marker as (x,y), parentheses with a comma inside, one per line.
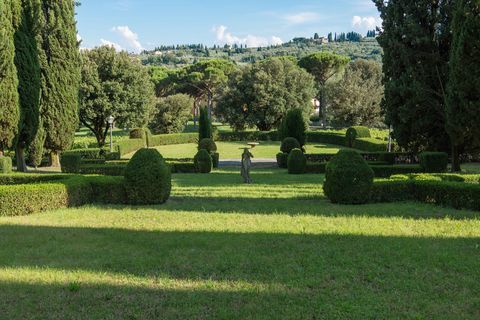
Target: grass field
(233,150)
(219,249)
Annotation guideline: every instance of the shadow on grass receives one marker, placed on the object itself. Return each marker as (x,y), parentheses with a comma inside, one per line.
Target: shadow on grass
(332,275)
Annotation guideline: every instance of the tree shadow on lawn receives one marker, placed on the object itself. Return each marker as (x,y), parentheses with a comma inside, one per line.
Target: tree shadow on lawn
(329,275)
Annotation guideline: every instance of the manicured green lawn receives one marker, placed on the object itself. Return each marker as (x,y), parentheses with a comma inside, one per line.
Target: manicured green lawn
(223,250)
(233,150)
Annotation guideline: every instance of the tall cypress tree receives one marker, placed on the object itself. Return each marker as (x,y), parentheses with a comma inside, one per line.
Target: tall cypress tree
(9,105)
(60,69)
(463,108)
(416,42)
(28,69)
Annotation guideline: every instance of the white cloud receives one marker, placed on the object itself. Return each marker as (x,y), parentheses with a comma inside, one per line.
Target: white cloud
(251,41)
(114,45)
(302,17)
(130,37)
(366,23)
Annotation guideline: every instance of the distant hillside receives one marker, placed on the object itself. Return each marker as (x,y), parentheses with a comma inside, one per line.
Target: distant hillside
(172,56)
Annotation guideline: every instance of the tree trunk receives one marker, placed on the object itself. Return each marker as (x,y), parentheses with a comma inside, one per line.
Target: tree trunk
(210,99)
(20,155)
(323,109)
(54,159)
(195,113)
(455,159)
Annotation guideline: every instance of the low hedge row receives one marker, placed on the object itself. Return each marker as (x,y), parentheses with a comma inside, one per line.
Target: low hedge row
(385,171)
(457,195)
(70,191)
(168,139)
(326,137)
(125,147)
(248,136)
(370,145)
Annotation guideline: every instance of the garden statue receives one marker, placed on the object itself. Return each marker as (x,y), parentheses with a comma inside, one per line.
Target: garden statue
(246,165)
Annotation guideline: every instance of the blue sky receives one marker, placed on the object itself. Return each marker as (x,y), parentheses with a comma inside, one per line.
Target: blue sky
(134,25)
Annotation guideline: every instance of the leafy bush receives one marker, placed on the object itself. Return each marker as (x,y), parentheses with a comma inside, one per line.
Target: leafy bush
(215,159)
(203,161)
(138,133)
(294,125)
(170,139)
(207,144)
(125,147)
(356,132)
(147,178)
(288,144)
(433,162)
(297,162)
(171,113)
(204,125)
(282,160)
(70,163)
(5,165)
(385,171)
(348,178)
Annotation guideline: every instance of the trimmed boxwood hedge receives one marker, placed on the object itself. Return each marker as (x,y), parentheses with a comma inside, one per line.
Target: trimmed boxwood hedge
(282,160)
(434,162)
(326,137)
(5,165)
(203,161)
(248,136)
(93,153)
(70,163)
(38,193)
(297,162)
(348,178)
(370,145)
(385,171)
(125,147)
(147,178)
(170,139)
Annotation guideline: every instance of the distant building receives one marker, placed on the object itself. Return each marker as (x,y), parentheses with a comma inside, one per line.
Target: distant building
(321,40)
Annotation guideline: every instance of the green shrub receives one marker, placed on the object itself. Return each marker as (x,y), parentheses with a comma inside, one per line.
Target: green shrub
(207,144)
(170,139)
(288,144)
(215,159)
(203,161)
(104,169)
(385,171)
(434,162)
(147,178)
(5,165)
(348,178)
(125,147)
(356,132)
(138,133)
(282,160)
(297,162)
(294,125)
(182,167)
(370,145)
(391,190)
(21,178)
(70,163)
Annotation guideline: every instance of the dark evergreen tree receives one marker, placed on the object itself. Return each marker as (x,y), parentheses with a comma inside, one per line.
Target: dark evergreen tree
(205,125)
(416,41)
(316,36)
(28,68)
(463,107)
(330,37)
(60,67)
(9,104)
(294,125)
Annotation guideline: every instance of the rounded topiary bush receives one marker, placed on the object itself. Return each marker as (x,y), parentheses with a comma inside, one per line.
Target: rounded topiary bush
(215,159)
(297,162)
(288,144)
(203,161)
(207,144)
(147,178)
(5,165)
(282,160)
(138,133)
(348,178)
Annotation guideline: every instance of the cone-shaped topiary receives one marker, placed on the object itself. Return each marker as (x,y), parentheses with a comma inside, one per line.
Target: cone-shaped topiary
(294,125)
(147,178)
(297,162)
(207,144)
(5,165)
(348,178)
(203,161)
(288,144)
